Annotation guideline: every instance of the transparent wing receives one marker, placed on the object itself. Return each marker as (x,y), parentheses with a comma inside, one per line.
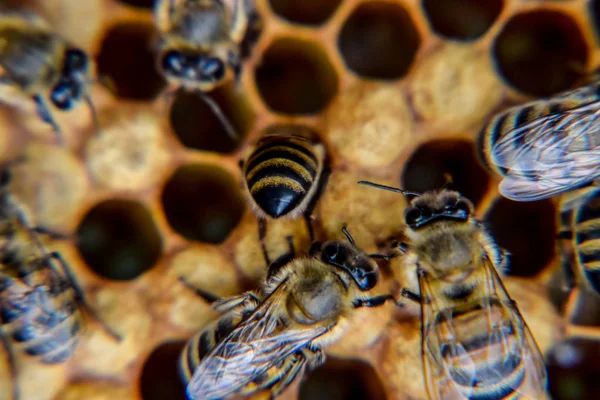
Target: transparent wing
(550,154)
(250,350)
(481,350)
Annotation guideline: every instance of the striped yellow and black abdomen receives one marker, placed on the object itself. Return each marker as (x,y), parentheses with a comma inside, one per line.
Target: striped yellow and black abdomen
(39,311)
(517,116)
(586,239)
(203,343)
(280,175)
(481,363)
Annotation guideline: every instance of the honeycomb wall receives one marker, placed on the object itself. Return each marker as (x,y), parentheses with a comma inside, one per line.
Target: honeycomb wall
(397,90)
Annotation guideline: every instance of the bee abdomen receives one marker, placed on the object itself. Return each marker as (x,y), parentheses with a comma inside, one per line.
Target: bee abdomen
(280,175)
(587,242)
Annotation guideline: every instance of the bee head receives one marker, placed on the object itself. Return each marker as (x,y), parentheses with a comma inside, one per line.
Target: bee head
(204,69)
(434,206)
(69,88)
(351,259)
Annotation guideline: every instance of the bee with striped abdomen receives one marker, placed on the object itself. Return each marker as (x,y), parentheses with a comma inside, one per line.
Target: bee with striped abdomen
(200,45)
(41,304)
(475,343)
(578,237)
(547,146)
(283,177)
(38,64)
(266,339)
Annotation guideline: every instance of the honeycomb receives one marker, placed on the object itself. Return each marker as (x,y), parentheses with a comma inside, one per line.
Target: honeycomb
(397,90)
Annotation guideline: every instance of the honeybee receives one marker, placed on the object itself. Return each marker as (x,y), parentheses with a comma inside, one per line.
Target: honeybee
(41,304)
(475,343)
(283,177)
(42,66)
(265,339)
(547,146)
(579,229)
(200,45)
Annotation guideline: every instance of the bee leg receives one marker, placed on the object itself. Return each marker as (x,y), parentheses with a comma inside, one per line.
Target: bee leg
(567,257)
(372,301)
(46,116)
(262,233)
(248,299)
(282,260)
(218,112)
(410,295)
(12,363)
(323,181)
(207,296)
(80,296)
(52,234)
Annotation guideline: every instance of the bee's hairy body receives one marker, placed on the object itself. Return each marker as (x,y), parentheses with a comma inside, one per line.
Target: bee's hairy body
(265,339)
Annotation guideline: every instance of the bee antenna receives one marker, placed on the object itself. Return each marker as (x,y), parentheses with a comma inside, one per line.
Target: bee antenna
(218,112)
(93,112)
(389,188)
(348,235)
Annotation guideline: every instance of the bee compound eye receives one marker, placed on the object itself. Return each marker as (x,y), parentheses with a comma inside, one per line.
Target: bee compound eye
(62,95)
(213,68)
(412,216)
(463,206)
(173,61)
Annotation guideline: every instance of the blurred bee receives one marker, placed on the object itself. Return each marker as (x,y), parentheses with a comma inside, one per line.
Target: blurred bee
(41,304)
(200,45)
(283,177)
(547,146)
(266,339)
(579,230)
(42,66)
(475,343)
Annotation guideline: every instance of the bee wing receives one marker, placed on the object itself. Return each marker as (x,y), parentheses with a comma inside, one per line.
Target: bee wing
(250,350)
(550,154)
(486,351)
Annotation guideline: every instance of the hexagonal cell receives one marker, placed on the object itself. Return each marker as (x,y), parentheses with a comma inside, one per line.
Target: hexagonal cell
(540,52)
(203,203)
(296,77)
(379,40)
(433,162)
(308,12)
(462,19)
(527,230)
(342,379)
(198,127)
(149,4)
(119,240)
(160,375)
(594,13)
(574,370)
(127,60)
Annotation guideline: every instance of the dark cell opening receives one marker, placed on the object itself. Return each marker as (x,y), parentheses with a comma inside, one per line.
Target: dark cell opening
(434,162)
(309,12)
(574,370)
(203,203)
(127,60)
(594,13)
(295,77)
(379,40)
(160,375)
(198,127)
(527,230)
(342,380)
(149,4)
(462,19)
(540,52)
(119,240)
